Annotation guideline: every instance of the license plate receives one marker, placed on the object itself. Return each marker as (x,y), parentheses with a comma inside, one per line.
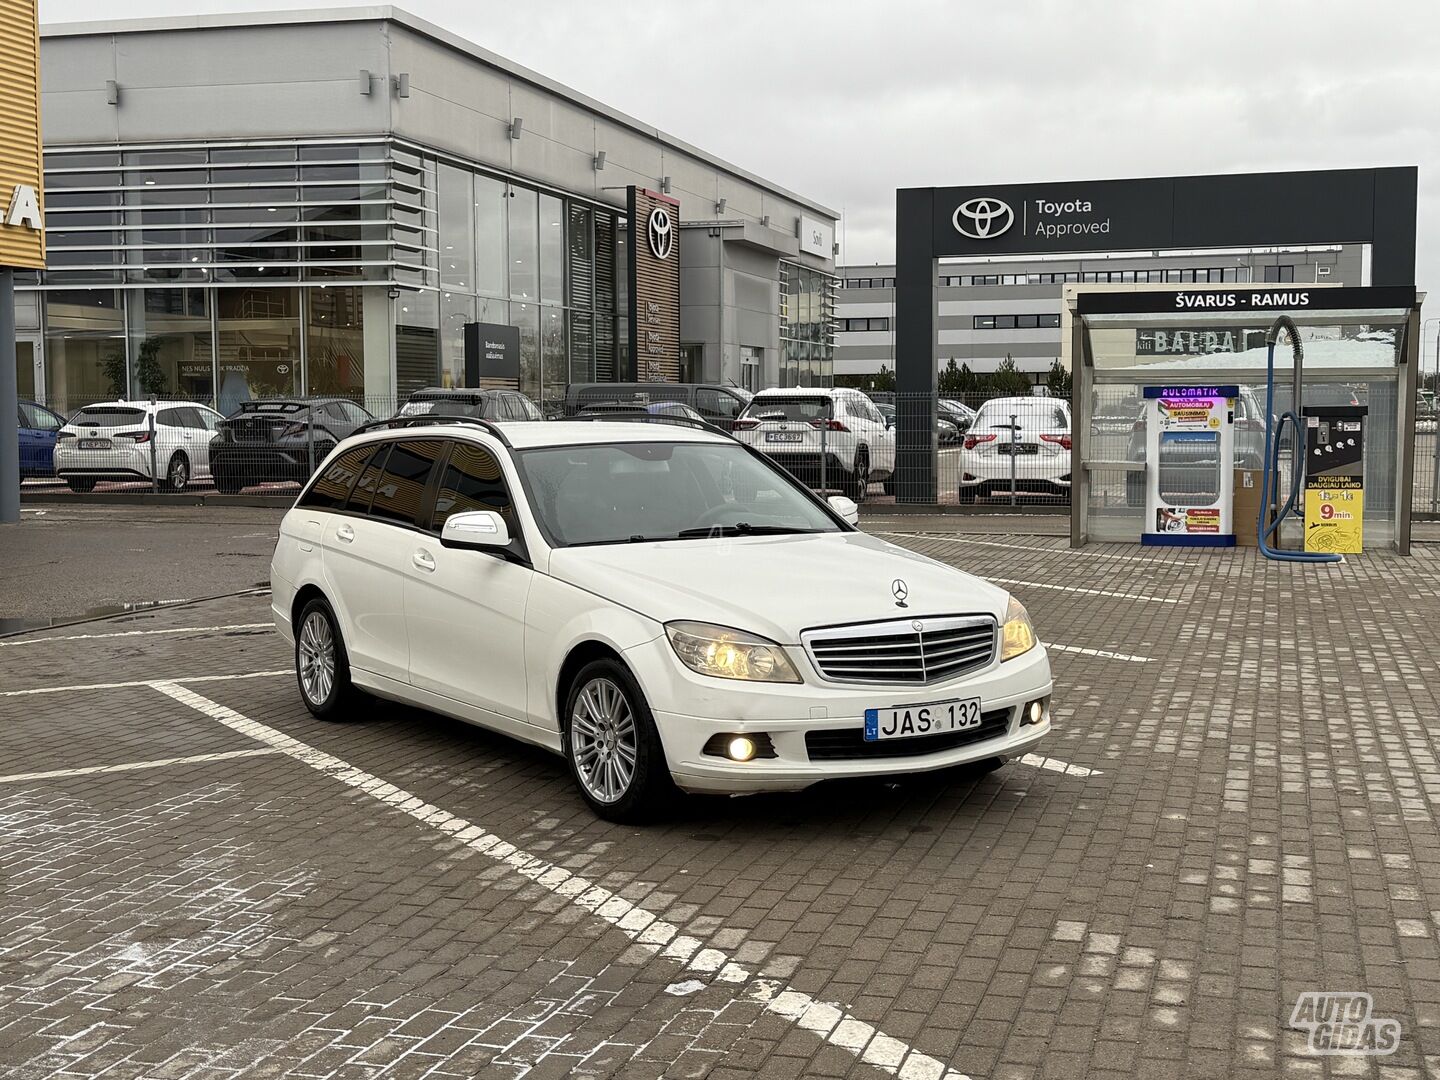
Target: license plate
(783,436)
(929,718)
(1015,449)
(94,444)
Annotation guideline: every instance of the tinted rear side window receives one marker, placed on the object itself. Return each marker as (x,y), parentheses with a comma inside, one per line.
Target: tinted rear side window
(402,485)
(333,486)
(472,481)
(364,489)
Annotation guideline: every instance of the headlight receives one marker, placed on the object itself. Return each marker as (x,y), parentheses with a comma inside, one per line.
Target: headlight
(1018,636)
(730,654)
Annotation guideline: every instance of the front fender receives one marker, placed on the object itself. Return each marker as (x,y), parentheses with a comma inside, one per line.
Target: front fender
(560,617)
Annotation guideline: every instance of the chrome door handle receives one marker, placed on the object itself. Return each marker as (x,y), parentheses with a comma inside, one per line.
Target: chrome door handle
(423,560)
(345,533)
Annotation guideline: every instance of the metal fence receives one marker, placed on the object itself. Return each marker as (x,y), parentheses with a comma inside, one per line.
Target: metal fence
(991,452)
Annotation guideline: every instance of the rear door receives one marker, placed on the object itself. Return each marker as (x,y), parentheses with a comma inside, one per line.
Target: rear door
(363,558)
(174,434)
(466,609)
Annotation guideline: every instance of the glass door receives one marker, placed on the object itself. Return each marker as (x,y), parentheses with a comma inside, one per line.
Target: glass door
(28,373)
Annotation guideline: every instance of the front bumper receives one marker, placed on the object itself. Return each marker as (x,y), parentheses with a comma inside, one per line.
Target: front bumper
(689,709)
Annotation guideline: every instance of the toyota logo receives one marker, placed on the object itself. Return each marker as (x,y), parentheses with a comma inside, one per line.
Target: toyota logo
(900,591)
(982,218)
(662,232)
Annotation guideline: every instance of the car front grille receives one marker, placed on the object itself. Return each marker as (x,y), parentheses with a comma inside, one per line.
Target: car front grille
(848,744)
(912,651)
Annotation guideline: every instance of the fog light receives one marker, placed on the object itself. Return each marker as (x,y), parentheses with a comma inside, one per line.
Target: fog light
(1036,712)
(741,748)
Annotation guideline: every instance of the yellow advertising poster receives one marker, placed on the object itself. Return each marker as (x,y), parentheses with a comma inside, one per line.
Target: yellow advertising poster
(22,222)
(1334,514)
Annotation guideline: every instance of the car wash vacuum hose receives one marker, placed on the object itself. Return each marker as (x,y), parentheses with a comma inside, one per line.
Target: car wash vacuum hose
(1274,426)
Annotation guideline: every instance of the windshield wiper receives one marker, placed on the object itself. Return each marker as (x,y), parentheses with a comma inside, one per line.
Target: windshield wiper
(740,528)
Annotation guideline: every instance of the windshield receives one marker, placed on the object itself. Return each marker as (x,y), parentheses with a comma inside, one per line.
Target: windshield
(441,407)
(1028,414)
(108,415)
(614,494)
(775,407)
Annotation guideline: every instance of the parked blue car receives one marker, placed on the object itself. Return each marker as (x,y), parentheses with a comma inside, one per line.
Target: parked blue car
(39,428)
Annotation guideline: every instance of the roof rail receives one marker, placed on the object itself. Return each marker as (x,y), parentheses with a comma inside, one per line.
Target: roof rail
(632,415)
(431,419)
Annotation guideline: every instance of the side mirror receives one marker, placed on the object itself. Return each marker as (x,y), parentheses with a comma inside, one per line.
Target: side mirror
(889,423)
(479,530)
(846,508)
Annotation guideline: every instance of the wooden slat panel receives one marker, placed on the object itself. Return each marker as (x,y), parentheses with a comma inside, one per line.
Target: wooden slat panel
(19,128)
(654,290)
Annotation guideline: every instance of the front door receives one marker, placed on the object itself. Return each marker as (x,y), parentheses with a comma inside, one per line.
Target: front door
(466,609)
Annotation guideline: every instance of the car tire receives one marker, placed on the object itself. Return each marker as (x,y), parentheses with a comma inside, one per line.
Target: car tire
(322,667)
(607,725)
(888,484)
(857,483)
(228,485)
(177,474)
(80,487)
(966,496)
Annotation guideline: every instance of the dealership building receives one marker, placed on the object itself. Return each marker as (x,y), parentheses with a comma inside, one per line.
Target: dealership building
(252,205)
(990,309)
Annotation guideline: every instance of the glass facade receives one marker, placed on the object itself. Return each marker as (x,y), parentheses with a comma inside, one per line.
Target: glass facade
(225,272)
(807,326)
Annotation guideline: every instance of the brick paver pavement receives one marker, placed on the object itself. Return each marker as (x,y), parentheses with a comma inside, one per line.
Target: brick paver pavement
(1258,822)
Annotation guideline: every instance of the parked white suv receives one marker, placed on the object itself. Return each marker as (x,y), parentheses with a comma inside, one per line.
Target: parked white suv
(656,603)
(1024,439)
(803,426)
(136,440)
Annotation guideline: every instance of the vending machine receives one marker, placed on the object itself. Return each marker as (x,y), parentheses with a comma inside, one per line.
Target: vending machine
(1334,478)
(1189,465)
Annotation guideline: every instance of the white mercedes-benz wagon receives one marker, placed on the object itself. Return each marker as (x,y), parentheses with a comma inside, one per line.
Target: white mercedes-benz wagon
(656,602)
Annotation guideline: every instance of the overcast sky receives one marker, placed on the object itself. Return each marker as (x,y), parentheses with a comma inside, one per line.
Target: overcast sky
(845,101)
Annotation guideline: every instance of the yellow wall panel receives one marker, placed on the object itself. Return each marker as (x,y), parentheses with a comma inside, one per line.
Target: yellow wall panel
(20,162)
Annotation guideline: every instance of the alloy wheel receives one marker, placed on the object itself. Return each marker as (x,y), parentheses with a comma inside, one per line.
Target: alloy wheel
(317,658)
(179,474)
(604,741)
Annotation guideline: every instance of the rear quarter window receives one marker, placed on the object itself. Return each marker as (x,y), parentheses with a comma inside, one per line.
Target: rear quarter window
(332,487)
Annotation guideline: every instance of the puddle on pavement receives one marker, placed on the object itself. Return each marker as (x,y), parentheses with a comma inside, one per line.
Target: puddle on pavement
(20,626)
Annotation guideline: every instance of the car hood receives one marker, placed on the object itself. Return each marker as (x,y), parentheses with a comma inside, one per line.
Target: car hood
(775,586)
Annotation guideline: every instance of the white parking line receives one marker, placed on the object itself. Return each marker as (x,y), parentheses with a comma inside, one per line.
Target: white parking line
(1088,592)
(830,1021)
(141,682)
(139,633)
(1040,761)
(1104,654)
(131,766)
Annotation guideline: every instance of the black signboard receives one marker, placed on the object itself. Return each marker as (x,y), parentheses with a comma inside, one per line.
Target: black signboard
(1155,213)
(492,351)
(1291,298)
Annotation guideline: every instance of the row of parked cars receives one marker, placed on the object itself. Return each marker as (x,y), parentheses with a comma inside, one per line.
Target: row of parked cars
(833,437)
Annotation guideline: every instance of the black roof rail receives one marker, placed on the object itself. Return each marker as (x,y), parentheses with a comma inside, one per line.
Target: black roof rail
(632,415)
(431,419)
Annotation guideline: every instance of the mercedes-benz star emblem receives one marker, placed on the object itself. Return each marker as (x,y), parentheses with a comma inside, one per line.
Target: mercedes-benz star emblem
(900,591)
(662,232)
(983,218)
